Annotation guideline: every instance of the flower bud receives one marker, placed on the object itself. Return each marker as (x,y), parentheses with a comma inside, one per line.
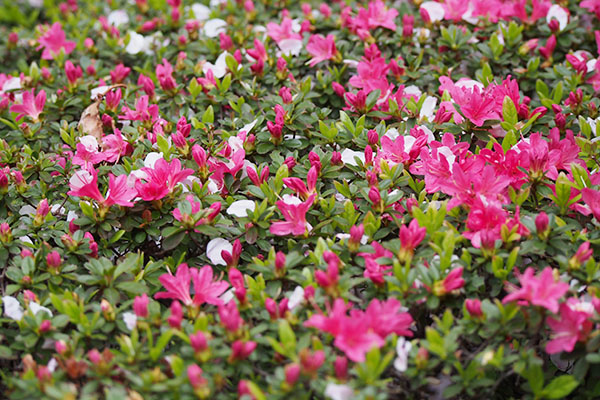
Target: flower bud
(473,307)
(542,225)
(340,366)
(5,233)
(280,263)
(140,305)
(53,261)
(292,373)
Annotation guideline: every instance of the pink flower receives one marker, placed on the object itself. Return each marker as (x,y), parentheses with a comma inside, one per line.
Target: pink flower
(295,218)
(194,373)
(572,327)
(178,286)
(118,191)
(73,73)
(283,31)
(476,105)
(53,40)
(161,180)
(84,183)
(142,112)
(164,74)
(140,305)
(32,105)
(87,153)
(376,15)
(371,75)
(411,236)
(321,48)
(387,317)
(230,317)
(591,201)
(591,6)
(541,290)
(205,289)
(241,350)
(114,146)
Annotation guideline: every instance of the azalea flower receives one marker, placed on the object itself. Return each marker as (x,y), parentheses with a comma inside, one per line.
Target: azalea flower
(321,49)
(573,326)
(84,183)
(161,179)
(542,290)
(31,106)
(295,218)
(53,41)
(206,290)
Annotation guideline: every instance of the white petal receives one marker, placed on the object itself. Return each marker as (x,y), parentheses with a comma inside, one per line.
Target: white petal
(11,84)
(428,108)
(560,14)
(290,46)
(435,10)
(240,208)
(213,27)
(413,90)
(291,199)
(469,84)
(348,157)
(52,364)
(118,18)
(296,297)
(27,210)
(80,179)
(98,90)
(151,159)
(402,349)
(228,295)
(137,43)
(12,308)
(201,12)
(71,215)
(392,133)
(36,308)
(130,320)
(214,249)
(90,143)
(338,392)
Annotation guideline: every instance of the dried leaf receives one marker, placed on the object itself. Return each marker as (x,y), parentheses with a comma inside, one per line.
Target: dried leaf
(90,122)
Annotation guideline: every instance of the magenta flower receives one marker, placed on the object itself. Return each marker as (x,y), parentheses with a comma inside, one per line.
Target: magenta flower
(161,180)
(84,183)
(541,290)
(476,105)
(205,289)
(283,31)
(164,74)
(572,327)
(295,218)
(140,305)
(53,41)
(411,236)
(321,49)
(178,285)
(32,105)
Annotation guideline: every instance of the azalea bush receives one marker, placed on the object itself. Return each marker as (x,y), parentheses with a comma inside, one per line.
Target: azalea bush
(272,200)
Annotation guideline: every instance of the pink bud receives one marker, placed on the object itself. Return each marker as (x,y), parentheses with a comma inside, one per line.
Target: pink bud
(140,305)
(336,158)
(374,195)
(198,341)
(473,306)
(373,137)
(45,326)
(340,366)
(279,261)
(53,260)
(194,373)
(292,373)
(94,356)
(176,316)
(541,222)
(60,347)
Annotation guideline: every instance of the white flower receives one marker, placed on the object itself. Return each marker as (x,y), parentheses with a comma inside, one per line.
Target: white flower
(118,18)
(290,47)
(137,43)
(130,320)
(435,10)
(560,14)
(240,208)
(201,12)
(291,199)
(213,27)
(469,84)
(151,159)
(392,133)
(12,308)
(52,364)
(345,236)
(348,157)
(90,143)
(296,297)
(27,210)
(98,90)
(36,3)
(428,108)
(227,296)
(413,90)
(339,392)
(219,68)
(36,308)
(402,349)
(71,215)
(11,84)
(214,249)
(80,179)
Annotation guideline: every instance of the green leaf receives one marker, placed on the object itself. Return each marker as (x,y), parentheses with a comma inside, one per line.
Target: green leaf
(560,387)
